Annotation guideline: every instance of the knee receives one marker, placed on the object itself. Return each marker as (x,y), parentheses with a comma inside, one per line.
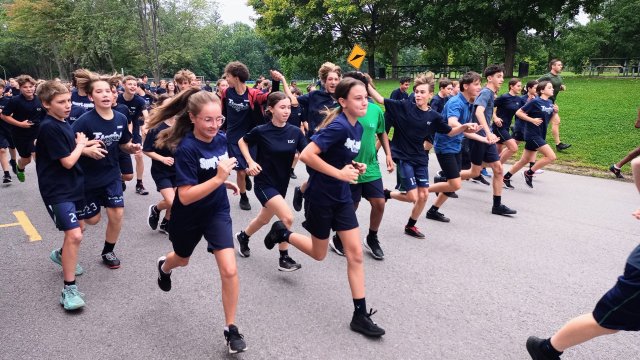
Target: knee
(455,186)
(412,196)
(182,261)
(552,157)
(497,171)
(422,196)
(116,215)
(127,177)
(74,237)
(288,221)
(355,256)
(228,272)
(94,220)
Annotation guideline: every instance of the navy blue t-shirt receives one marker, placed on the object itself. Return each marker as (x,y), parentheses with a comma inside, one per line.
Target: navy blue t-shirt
(160,91)
(412,127)
(519,123)
(339,143)
(295,118)
(313,103)
(57,184)
(460,108)
(196,162)
(238,115)
(83,101)
(99,173)
(22,109)
(537,108)
(76,112)
(3,102)
(398,94)
(158,169)
(437,103)
(506,107)
(122,109)
(276,147)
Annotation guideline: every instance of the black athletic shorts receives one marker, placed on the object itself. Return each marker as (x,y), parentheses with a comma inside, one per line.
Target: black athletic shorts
(450,165)
(480,152)
(321,219)
(619,308)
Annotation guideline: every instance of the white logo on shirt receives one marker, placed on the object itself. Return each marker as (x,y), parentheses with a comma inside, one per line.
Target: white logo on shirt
(212,163)
(108,139)
(238,107)
(547,109)
(291,141)
(352,145)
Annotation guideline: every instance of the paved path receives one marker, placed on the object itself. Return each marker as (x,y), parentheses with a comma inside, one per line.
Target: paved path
(474,289)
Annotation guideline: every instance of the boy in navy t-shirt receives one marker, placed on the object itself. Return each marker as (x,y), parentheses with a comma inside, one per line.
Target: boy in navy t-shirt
(6,141)
(61,183)
(444,93)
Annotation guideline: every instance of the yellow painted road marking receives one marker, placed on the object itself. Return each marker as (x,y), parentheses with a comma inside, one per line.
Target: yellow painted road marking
(25,223)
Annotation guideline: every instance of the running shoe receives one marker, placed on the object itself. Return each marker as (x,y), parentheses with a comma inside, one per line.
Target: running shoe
(140,190)
(534,348)
(154,217)
(528,179)
(164,279)
(244,203)
(20,175)
(235,340)
(484,172)
(293,175)
(437,216)
(502,210)
(298,196)
(363,324)
(336,245)
(249,183)
(539,171)
(124,186)
(372,244)
(413,231)
(71,298)
(452,195)
(243,244)
(56,257)
(616,171)
(275,235)
(6,180)
(14,166)
(164,226)
(562,146)
(287,264)
(111,260)
(480,179)
(387,194)
(507,184)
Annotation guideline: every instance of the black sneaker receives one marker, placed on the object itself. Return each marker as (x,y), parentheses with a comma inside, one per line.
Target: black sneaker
(164,226)
(124,186)
(298,196)
(111,260)
(528,179)
(336,245)
(249,183)
(287,264)
(292,175)
(14,166)
(140,190)
(562,146)
(235,340)
(275,235)
(507,184)
(6,180)
(437,216)
(387,194)
(243,244)
(164,280)
(480,179)
(154,217)
(502,209)
(534,348)
(452,195)
(413,231)
(616,171)
(372,244)
(244,203)
(363,324)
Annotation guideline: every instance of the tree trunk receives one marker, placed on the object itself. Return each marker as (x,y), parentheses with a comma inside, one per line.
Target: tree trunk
(155,22)
(59,61)
(510,36)
(394,62)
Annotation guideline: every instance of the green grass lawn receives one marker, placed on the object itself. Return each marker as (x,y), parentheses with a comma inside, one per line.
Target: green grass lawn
(597,115)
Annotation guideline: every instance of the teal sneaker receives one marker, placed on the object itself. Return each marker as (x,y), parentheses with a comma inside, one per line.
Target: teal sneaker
(56,257)
(71,298)
(20,175)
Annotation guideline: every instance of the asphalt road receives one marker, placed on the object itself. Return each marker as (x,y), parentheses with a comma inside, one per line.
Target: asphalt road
(475,288)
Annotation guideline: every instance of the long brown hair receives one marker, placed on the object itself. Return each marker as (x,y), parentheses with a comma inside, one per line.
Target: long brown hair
(188,101)
(342,91)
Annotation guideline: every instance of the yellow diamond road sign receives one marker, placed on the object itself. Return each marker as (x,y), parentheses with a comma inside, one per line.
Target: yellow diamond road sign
(356,57)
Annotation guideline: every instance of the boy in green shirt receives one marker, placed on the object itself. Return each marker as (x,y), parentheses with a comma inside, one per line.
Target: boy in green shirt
(554,77)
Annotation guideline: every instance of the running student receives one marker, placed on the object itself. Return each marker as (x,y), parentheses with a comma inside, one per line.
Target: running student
(369,185)
(183,79)
(618,309)
(529,93)
(553,76)
(24,112)
(124,159)
(6,141)
(80,102)
(506,106)
(414,122)
(163,172)
(201,206)
(276,144)
(614,168)
(61,183)
(440,99)
(537,113)
(102,172)
(328,198)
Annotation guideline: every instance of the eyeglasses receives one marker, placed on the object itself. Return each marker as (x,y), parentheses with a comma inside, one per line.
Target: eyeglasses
(219,120)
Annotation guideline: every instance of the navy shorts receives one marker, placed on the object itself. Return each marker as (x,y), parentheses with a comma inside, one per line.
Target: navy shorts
(619,308)
(234,151)
(6,140)
(124,160)
(368,190)
(25,146)
(502,133)
(517,135)
(109,196)
(136,137)
(534,143)
(412,176)
(188,228)
(265,193)
(164,182)
(450,165)
(66,215)
(321,219)
(480,152)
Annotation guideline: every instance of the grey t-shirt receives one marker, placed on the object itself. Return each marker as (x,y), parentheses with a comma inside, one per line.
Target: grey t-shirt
(485,98)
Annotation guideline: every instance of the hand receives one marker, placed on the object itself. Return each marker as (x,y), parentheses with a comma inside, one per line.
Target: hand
(81,138)
(536,121)
(492,138)
(276,75)
(471,128)
(563,87)
(94,150)
(167,161)
(497,121)
(254,169)
(390,164)
(349,174)
(232,186)
(98,143)
(25,124)
(225,167)
(361,167)
(555,108)
(135,149)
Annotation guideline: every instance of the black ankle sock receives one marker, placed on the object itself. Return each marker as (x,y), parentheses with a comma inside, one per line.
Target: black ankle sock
(69,283)
(360,306)
(243,196)
(164,220)
(434,208)
(387,194)
(497,200)
(531,164)
(372,233)
(530,172)
(6,173)
(286,235)
(61,251)
(284,253)
(138,182)
(548,349)
(411,222)
(107,248)
(508,175)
